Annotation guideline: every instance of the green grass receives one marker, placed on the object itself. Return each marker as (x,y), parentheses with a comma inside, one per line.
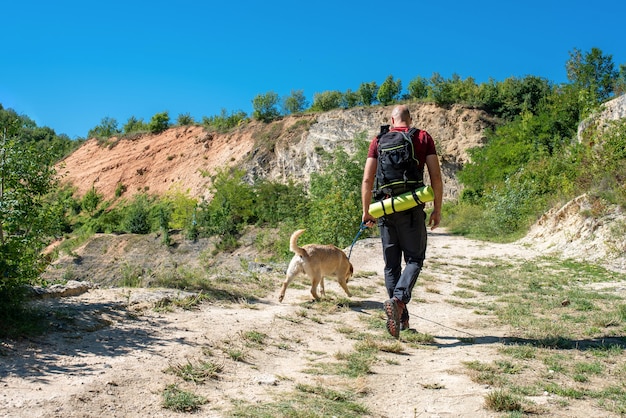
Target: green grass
(567,333)
(306,401)
(180,400)
(502,401)
(254,338)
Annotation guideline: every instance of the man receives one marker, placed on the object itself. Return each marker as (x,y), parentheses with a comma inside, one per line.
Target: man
(403,233)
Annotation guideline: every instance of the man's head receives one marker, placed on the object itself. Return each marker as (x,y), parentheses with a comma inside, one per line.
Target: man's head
(400,116)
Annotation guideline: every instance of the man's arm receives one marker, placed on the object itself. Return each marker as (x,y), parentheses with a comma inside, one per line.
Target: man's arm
(434,171)
(369,173)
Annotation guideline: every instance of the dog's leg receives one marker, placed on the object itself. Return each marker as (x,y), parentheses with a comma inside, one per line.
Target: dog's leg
(344,286)
(284,288)
(315,282)
(292,271)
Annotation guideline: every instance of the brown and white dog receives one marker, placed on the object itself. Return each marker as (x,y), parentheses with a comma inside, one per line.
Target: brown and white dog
(317,261)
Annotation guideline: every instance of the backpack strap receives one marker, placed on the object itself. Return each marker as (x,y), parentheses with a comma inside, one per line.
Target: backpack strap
(412,132)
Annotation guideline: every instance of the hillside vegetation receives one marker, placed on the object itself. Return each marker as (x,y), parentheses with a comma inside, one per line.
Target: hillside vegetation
(527,161)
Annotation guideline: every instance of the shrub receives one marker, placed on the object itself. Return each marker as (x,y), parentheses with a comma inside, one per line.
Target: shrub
(232,205)
(137,215)
(335,207)
(182,208)
(276,202)
(224,122)
(159,123)
(106,129)
(327,100)
(265,107)
(120,188)
(134,125)
(91,200)
(185,119)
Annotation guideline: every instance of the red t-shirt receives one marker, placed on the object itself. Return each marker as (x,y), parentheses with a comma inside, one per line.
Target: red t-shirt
(423,145)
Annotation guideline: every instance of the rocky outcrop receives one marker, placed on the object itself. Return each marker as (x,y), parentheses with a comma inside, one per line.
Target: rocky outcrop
(610,111)
(572,232)
(70,288)
(183,158)
(455,131)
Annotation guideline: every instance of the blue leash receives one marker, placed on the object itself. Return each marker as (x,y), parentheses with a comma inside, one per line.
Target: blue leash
(362,228)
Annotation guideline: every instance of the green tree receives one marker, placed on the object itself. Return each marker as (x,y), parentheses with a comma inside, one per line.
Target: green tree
(106,129)
(418,88)
(137,217)
(159,122)
(351,99)
(133,125)
(182,206)
(58,145)
(295,102)
(441,90)
(265,107)
(389,91)
(620,83)
(506,151)
(91,200)
(488,97)
(517,95)
(28,217)
(464,91)
(368,93)
(327,100)
(593,72)
(335,207)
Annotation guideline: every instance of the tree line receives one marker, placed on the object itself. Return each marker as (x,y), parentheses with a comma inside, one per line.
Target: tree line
(592,72)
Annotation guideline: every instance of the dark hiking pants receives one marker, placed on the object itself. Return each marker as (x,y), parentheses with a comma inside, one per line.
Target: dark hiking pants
(403,234)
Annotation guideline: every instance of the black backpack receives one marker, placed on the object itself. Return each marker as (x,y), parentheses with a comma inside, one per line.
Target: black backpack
(397,170)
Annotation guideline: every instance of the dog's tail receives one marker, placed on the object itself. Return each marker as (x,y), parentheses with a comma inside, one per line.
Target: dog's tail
(293,243)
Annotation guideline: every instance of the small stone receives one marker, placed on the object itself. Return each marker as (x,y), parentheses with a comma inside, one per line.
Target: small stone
(266,380)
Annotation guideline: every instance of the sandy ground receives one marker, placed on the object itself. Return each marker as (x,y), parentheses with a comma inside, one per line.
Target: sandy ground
(111,362)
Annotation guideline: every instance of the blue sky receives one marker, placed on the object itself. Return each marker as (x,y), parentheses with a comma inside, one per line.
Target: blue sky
(68,64)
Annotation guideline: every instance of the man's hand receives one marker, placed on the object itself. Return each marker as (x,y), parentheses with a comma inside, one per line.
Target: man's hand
(435,218)
(368,220)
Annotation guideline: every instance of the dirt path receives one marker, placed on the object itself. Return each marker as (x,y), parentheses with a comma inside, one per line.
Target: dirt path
(111,362)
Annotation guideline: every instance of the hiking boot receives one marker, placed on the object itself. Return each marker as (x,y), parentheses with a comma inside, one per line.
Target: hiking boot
(404,325)
(393,310)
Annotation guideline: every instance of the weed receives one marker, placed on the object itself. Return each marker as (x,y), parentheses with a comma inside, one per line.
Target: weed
(304,401)
(197,373)
(180,400)
(255,337)
(503,401)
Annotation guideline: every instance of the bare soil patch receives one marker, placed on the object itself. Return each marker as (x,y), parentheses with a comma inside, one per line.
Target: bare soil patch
(108,356)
